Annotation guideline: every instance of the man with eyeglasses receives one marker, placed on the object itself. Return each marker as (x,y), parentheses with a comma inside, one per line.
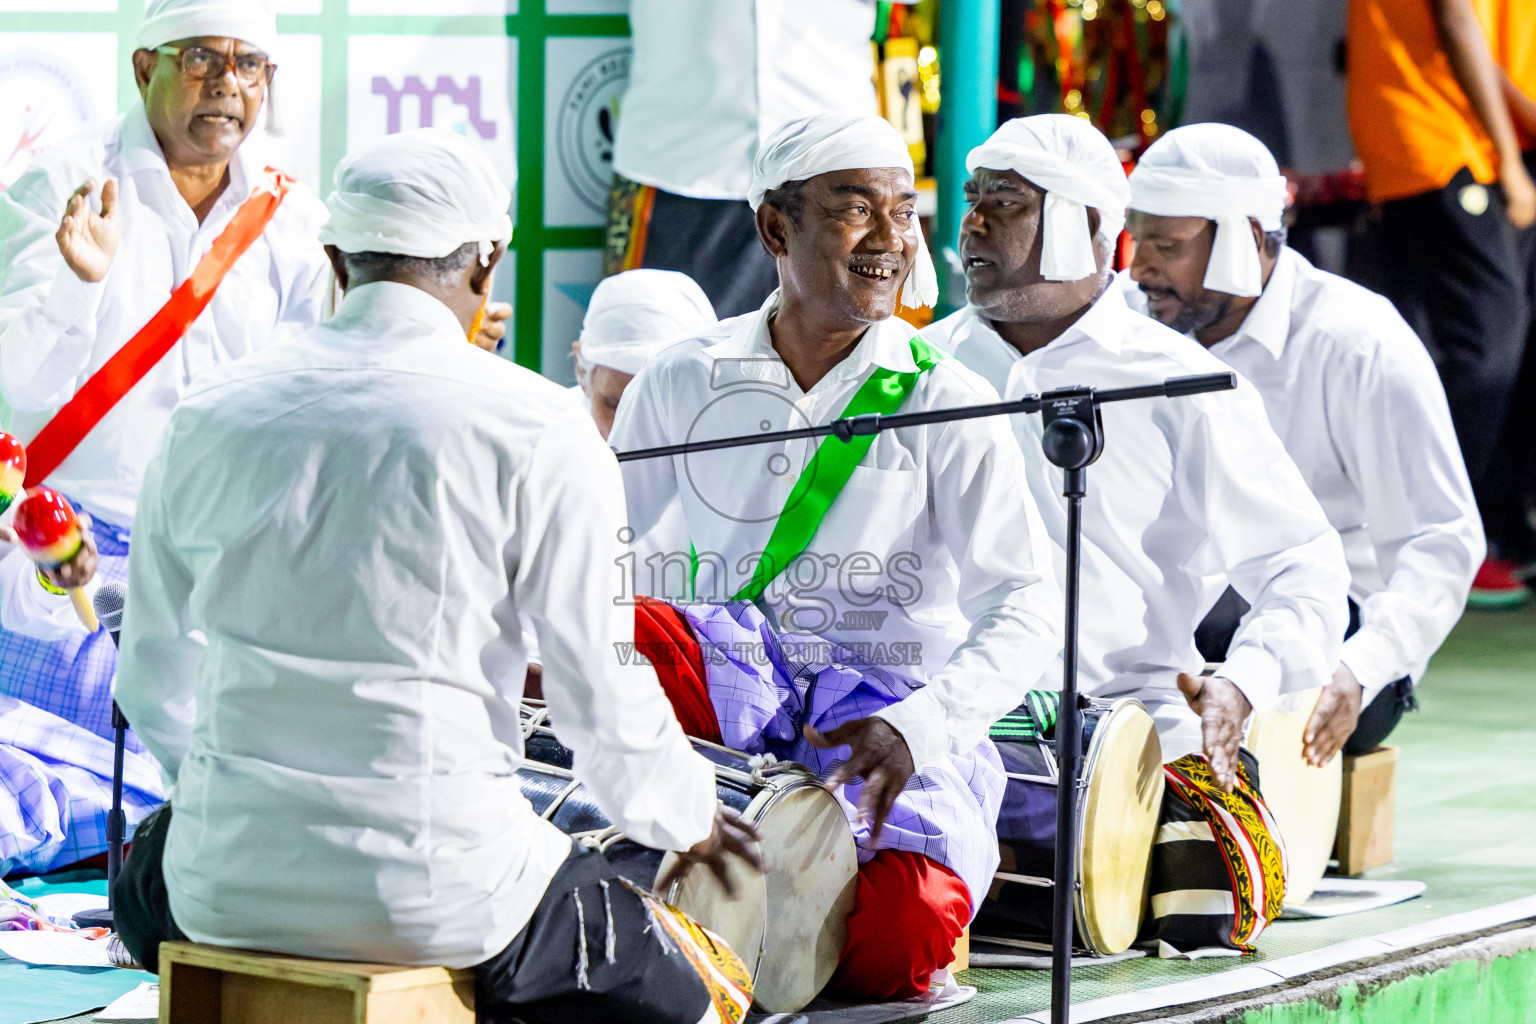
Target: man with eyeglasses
(98,241)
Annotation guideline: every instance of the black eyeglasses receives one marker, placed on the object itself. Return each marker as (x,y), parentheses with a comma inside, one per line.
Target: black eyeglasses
(251,69)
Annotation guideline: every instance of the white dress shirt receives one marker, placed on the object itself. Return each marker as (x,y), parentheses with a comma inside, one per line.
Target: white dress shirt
(932,560)
(339,543)
(56,330)
(1190,494)
(1355,397)
(709,80)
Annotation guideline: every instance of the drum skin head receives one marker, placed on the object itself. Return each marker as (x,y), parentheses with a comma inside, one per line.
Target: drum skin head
(790,925)
(1120,814)
(1303,799)
(738,920)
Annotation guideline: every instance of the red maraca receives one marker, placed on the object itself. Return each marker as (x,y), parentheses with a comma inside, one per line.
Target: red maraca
(13,469)
(49,531)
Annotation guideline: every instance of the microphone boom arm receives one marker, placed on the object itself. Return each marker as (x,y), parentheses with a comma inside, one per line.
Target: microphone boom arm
(846,428)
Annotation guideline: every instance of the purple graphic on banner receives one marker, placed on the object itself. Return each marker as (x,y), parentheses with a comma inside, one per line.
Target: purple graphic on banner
(467,96)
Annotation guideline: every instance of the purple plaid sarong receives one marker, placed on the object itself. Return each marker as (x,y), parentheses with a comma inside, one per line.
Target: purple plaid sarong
(765,686)
(56,740)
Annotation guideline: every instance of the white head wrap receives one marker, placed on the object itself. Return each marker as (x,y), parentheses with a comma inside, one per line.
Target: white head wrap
(1223,174)
(638,312)
(823,143)
(420,193)
(250,21)
(1077,167)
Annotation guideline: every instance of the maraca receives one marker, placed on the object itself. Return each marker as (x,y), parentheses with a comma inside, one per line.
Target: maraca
(47,528)
(13,469)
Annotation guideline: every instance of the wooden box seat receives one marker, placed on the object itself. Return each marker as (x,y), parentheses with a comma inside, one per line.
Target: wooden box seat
(213,985)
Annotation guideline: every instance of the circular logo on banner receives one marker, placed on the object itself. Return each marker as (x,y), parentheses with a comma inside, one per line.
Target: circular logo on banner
(42,100)
(588,123)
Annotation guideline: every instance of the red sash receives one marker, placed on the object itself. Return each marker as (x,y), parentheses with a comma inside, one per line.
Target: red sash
(127,367)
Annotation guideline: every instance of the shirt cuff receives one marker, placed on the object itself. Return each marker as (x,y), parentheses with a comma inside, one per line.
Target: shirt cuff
(1256,673)
(72,300)
(1371,658)
(923,722)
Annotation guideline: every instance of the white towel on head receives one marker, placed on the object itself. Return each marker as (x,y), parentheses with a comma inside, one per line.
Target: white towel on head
(823,143)
(420,193)
(250,21)
(1225,175)
(1078,168)
(639,312)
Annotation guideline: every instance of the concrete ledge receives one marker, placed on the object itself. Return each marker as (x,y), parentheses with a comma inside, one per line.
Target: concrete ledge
(1367,976)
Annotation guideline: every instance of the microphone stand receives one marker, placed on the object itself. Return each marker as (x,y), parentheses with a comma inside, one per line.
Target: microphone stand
(116,826)
(1073,439)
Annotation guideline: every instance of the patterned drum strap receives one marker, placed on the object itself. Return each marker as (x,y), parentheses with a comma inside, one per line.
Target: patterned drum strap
(1249,840)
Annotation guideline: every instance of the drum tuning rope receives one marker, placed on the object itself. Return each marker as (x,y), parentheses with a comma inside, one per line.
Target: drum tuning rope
(762,766)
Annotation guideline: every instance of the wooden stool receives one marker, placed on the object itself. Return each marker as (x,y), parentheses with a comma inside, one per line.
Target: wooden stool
(211,985)
(962,961)
(1365,812)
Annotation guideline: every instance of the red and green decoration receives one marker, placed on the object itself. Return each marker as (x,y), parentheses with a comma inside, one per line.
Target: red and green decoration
(13,469)
(1117,63)
(47,527)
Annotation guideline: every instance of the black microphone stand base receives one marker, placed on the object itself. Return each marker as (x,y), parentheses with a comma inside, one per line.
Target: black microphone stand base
(117,826)
(94,918)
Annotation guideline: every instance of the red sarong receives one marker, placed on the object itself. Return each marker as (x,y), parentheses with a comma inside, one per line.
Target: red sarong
(663,636)
(907,916)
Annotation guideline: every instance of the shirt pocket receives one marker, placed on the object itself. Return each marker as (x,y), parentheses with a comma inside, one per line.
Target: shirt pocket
(876,512)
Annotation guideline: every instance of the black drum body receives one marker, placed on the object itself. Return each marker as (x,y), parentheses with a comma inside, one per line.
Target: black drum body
(788,926)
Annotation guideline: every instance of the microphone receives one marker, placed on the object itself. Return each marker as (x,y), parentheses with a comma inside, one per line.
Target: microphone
(109,602)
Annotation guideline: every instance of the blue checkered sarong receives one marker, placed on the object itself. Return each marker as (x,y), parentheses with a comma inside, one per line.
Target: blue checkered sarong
(764,686)
(56,740)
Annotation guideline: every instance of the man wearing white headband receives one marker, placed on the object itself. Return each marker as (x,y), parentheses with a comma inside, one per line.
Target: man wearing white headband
(919,548)
(1351,392)
(1190,493)
(428,500)
(98,242)
(633,315)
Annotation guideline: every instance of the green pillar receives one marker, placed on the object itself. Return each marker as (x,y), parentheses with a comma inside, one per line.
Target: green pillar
(968,34)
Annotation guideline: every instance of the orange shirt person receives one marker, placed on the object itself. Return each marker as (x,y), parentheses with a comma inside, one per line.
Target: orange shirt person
(1513,472)
(1430,122)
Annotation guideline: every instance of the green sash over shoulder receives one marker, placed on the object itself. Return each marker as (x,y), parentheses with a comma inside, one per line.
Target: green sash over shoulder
(829,469)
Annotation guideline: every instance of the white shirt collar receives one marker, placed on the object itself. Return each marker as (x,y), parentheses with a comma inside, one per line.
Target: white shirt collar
(885,344)
(1104,323)
(395,301)
(1269,321)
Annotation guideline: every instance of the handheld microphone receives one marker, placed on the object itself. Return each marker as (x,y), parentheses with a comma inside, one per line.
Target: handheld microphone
(109,602)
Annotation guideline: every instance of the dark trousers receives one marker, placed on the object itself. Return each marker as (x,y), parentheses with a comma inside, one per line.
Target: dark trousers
(1509,488)
(537,979)
(1454,273)
(713,241)
(1377,719)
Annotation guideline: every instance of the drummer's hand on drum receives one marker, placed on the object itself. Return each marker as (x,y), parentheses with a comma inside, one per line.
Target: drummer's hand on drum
(732,836)
(1334,719)
(1222,709)
(878,754)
